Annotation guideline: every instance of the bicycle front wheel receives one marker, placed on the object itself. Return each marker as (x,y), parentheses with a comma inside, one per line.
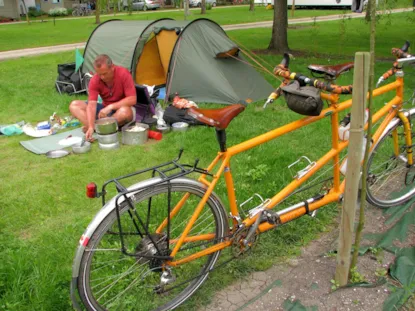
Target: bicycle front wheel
(390,181)
(111,280)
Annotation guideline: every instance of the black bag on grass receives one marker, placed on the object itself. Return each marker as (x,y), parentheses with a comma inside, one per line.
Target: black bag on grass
(304,100)
(173,115)
(67,74)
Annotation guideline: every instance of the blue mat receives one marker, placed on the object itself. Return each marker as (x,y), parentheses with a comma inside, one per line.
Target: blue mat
(48,143)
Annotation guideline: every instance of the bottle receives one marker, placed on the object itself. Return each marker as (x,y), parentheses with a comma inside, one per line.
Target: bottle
(155,135)
(344,126)
(343,166)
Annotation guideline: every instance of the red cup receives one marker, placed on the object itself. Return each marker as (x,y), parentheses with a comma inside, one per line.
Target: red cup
(155,135)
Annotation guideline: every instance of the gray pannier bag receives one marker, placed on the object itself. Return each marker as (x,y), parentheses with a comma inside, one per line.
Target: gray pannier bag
(304,100)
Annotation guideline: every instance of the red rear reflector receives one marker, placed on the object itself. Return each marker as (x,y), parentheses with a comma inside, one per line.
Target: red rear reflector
(91,190)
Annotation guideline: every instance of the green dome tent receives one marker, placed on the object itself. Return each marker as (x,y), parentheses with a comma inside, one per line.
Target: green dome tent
(194,59)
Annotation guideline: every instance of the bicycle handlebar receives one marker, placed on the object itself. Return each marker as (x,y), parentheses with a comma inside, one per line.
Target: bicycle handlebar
(398,53)
(282,70)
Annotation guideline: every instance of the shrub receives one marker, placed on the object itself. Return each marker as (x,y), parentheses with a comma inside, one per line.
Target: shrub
(58,12)
(33,12)
(208,6)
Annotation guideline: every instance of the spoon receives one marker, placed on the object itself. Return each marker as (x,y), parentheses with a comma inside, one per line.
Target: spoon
(83,141)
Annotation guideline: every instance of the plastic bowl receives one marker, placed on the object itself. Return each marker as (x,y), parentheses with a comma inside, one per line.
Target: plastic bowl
(106,126)
(84,149)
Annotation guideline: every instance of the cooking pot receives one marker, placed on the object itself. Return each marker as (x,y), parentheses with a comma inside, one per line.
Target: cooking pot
(108,138)
(135,133)
(106,126)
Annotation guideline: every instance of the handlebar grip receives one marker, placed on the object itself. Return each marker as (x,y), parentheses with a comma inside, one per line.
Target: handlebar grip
(285,61)
(405,47)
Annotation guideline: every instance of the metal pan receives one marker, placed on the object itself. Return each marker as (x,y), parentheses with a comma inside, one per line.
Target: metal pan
(54,154)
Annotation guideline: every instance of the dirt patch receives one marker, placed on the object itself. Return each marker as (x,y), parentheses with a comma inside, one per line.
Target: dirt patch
(308,279)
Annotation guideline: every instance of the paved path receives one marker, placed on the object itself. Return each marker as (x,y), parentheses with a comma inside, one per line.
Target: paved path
(267,24)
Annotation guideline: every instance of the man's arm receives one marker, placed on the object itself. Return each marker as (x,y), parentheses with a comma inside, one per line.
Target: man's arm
(91,109)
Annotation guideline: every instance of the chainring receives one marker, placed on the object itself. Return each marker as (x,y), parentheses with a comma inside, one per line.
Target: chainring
(240,246)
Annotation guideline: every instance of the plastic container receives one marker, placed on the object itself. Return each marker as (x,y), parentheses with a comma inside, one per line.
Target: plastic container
(45,125)
(344,127)
(155,135)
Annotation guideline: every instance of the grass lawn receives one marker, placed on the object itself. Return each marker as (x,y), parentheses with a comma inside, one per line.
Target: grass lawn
(19,36)
(43,205)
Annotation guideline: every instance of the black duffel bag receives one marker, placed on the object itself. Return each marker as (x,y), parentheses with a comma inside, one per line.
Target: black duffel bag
(67,74)
(304,100)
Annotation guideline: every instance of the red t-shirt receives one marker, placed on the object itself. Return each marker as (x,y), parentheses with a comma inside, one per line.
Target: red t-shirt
(123,86)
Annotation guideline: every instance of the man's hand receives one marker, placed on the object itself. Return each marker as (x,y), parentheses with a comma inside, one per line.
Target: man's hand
(88,134)
(104,112)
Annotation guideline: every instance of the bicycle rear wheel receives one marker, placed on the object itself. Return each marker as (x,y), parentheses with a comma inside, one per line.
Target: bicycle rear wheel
(390,180)
(110,280)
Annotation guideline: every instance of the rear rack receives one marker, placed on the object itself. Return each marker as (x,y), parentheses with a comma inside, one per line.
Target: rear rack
(166,172)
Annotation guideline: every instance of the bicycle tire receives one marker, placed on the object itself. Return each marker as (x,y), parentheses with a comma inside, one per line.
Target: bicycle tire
(140,295)
(387,181)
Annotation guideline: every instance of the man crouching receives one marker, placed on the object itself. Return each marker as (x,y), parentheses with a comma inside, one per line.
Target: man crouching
(116,87)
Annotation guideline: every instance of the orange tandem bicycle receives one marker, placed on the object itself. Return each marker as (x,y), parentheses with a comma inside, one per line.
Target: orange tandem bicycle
(153,245)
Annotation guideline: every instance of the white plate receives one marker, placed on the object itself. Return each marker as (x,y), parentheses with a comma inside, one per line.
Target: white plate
(69,141)
(33,132)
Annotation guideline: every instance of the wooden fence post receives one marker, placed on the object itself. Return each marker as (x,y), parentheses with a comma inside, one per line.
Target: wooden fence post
(354,157)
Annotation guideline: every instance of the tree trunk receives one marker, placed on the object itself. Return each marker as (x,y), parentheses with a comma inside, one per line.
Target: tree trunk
(367,17)
(279,42)
(27,13)
(186,9)
(203,7)
(251,5)
(97,12)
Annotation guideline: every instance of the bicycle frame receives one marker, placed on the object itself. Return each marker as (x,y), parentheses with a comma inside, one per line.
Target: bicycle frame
(388,112)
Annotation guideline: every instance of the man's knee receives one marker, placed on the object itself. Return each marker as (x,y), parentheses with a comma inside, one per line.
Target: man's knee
(76,105)
(125,112)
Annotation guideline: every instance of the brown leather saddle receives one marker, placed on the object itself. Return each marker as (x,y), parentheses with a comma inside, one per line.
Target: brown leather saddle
(219,118)
(331,72)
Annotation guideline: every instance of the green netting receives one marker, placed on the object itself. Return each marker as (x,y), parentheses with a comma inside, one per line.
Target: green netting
(297,306)
(403,269)
(398,232)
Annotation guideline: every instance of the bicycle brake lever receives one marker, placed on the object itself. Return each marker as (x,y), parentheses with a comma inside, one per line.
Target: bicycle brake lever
(381,79)
(269,101)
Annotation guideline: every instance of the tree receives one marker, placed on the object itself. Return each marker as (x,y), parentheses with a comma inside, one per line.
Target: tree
(279,42)
(186,8)
(203,7)
(252,5)
(97,11)
(25,9)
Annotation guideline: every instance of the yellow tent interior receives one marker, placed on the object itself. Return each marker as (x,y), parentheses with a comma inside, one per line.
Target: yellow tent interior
(153,63)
